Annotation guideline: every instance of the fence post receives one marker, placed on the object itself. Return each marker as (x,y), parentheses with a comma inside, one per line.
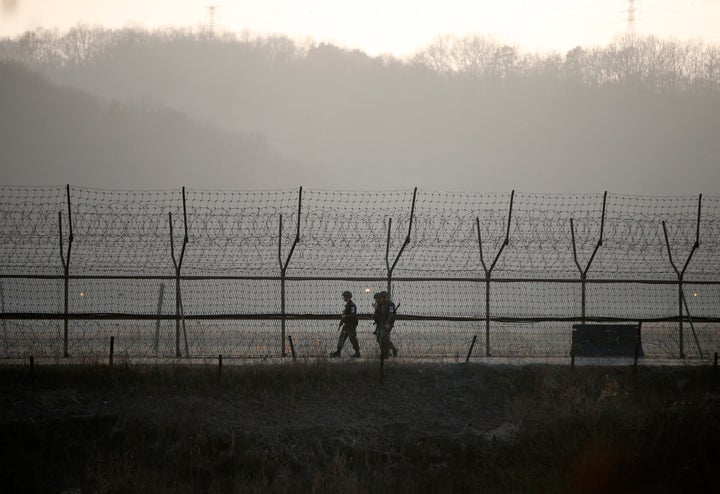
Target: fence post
(679,277)
(580,270)
(379,329)
(177,288)
(681,273)
(692,325)
(387,257)
(66,269)
(177,263)
(390,268)
(488,271)
(157,322)
(283,270)
(472,345)
(6,342)
(282,288)
(292,347)
(638,339)
(487,286)
(584,272)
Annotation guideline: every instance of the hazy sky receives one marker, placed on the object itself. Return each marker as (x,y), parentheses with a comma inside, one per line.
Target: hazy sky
(387,26)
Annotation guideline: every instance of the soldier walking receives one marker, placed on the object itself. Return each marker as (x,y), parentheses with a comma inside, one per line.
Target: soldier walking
(385,318)
(348,323)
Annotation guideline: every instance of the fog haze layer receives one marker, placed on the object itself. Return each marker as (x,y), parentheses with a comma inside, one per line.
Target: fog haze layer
(138,109)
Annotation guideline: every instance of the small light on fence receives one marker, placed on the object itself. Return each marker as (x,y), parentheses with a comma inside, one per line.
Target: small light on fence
(695,294)
(367,290)
(82,294)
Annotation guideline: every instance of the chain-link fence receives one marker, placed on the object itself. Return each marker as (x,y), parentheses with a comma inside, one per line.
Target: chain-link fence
(198,273)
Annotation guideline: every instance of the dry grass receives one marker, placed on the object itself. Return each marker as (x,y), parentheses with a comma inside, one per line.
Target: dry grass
(323,427)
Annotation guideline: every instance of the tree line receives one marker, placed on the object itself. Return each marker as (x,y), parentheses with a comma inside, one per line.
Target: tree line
(638,115)
(649,61)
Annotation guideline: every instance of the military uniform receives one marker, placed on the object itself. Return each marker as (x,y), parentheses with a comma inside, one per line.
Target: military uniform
(377,318)
(385,317)
(349,323)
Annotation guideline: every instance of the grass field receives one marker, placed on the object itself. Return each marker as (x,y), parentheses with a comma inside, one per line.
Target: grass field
(332,426)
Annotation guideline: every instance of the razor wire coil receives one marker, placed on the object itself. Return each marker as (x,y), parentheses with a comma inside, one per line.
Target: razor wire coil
(436,248)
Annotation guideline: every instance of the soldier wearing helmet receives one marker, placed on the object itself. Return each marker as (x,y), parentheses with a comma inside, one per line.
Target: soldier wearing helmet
(385,317)
(348,323)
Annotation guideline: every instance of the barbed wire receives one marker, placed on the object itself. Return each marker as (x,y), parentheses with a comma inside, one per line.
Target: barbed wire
(231,249)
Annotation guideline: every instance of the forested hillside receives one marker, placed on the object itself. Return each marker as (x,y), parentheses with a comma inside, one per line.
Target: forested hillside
(637,116)
(53,134)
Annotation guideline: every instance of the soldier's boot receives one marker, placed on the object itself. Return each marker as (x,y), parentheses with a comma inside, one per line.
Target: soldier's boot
(334,354)
(395,351)
(356,354)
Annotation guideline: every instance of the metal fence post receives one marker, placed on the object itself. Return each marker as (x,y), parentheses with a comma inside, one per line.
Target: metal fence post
(472,345)
(580,270)
(488,271)
(679,277)
(4,321)
(292,347)
(390,268)
(177,263)
(584,272)
(66,270)
(283,270)
(638,340)
(692,326)
(282,288)
(487,287)
(681,273)
(156,342)
(387,257)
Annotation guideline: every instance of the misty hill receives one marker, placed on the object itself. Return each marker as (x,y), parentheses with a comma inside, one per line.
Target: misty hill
(54,135)
(462,115)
